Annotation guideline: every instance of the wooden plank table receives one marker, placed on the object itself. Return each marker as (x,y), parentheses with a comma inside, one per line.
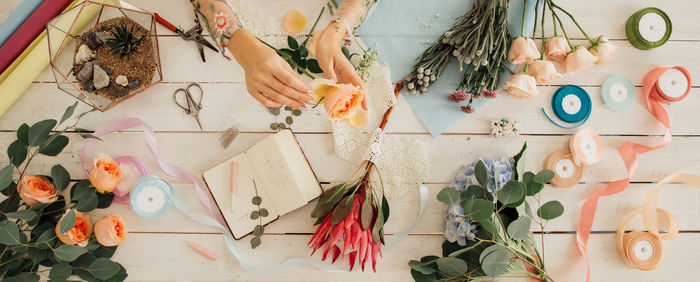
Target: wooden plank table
(157,249)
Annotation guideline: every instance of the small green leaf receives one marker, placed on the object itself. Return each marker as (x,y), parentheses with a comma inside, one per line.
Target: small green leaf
(39,132)
(103,268)
(264,212)
(519,228)
(68,253)
(517,160)
(88,204)
(46,239)
(366,214)
(346,52)
(6,176)
(81,191)
(512,192)
(9,233)
(67,222)
(68,113)
(55,146)
(104,200)
(293,44)
(258,231)
(478,209)
(550,210)
(312,65)
(303,51)
(543,177)
(274,111)
(477,192)
(257,200)
(104,252)
(60,271)
(489,226)
(254,215)
(494,260)
(449,196)
(23,134)
(26,214)
(341,211)
(385,208)
(481,173)
(60,176)
(420,277)
(255,242)
(17,152)
(421,267)
(328,200)
(452,266)
(38,255)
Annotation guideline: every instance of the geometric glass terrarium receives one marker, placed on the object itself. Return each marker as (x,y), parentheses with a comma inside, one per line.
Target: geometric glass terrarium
(104,52)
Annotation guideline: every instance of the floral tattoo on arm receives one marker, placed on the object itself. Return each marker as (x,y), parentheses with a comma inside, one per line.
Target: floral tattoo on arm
(221,21)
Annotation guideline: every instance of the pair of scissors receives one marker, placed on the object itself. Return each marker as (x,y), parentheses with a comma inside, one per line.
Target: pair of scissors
(193,34)
(190,106)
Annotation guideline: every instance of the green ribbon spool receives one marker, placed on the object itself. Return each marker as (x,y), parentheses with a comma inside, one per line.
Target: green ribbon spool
(648,28)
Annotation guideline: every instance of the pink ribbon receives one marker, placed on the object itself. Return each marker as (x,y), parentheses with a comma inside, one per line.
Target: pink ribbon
(629,151)
(152,144)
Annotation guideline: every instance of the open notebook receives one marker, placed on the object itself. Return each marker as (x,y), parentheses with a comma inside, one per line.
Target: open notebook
(282,175)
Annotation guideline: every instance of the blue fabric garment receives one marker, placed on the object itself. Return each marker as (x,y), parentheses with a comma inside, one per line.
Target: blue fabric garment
(395,30)
(17,18)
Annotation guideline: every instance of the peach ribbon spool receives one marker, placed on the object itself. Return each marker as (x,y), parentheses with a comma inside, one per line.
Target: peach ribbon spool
(586,147)
(566,172)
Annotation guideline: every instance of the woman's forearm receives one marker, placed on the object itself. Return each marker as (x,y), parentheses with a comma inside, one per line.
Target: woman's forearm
(354,12)
(220,20)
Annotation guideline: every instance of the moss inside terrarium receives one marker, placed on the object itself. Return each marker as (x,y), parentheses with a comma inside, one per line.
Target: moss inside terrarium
(114,58)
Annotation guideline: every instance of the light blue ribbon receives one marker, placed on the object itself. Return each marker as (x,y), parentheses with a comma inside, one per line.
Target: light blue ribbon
(17,18)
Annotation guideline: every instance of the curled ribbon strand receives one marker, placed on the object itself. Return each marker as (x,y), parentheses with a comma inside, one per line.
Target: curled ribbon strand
(629,151)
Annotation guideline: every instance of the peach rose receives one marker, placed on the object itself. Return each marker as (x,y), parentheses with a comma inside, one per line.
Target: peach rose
(110,230)
(105,173)
(604,50)
(79,234)
(557,48)
(37,189)
(341,101)
(544,71)
(523,50)
(579,60)
(521,85)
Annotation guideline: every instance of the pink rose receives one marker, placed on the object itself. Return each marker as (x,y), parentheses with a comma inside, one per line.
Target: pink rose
(579,60)
(37,189)
(544,71)
(521,85)
(523,50)
(110,230)
(557,47)
(604,50)
(105,173)
(79,234)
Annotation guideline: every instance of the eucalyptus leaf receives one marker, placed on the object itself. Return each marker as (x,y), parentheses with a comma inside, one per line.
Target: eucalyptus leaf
(481,173)
(81,191)
(17,152)
(420,277)
(88,204)
(449,196)
(489,226)
(264,212)
(254,215)
(69,112)
(517,160)
(23,134)
(26,214)
(60,271)
(421,267)
(55,146)
(103,268)
(255,242)
(68,253)
(38,255)
(46,239)
(478,209)
(519,228)
(257,200)
(494,260)
(104,252)
(258,231)
(452,266)
(104,200)
(341,211)
(543,176)
(512,192)
(39,132)
(366,214)
(60,176)
(9,233)
(67,222)
(550,210)
(120,276)
(6,176)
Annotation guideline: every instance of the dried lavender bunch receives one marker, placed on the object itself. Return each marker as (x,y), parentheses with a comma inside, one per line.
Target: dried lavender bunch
(477,39)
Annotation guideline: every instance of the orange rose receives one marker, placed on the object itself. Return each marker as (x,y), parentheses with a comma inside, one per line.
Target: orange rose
(557,48)
(579,60)
(110,230)
(105,173)
(523,50)
(36,190)
(341,101)
(521,85)
(604,50)
(79,234)
(544,71)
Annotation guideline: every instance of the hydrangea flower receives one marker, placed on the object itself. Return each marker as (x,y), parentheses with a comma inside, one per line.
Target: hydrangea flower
(457,228)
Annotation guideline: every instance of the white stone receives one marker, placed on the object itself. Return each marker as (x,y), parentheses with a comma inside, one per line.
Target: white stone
(100,79)
(84,54)
(121,80)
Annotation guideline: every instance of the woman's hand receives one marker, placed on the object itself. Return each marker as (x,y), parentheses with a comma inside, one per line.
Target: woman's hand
(269,79)
(335,66)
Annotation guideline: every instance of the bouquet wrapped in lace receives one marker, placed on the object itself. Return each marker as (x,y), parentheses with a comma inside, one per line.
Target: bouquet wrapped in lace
(353,213)
(487,224)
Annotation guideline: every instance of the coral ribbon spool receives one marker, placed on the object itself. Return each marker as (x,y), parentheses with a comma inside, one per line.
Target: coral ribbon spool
(662,84)
(648,28)
(566,172)
(586,147)
(571,104)
(618,92)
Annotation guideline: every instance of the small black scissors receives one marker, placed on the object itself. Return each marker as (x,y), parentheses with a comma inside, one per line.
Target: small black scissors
(193,34)
(190,106)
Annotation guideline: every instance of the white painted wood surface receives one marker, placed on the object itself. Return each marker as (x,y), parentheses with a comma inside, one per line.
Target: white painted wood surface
(157,249)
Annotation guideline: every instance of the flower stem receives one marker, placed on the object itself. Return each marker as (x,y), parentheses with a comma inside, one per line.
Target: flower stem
(572,19)
(288,59)
(561,25)
(544,11)
(313,27)
(522,26)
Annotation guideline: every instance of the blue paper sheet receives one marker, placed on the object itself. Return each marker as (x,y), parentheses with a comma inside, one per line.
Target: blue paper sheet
(17,18)
(396,29)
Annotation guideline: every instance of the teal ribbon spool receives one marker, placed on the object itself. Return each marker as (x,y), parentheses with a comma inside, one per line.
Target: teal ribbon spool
(618,92)
(151,197)
(644,28)
(571,104)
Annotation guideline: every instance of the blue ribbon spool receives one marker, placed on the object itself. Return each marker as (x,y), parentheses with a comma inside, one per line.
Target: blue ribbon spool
(151,197)
(571,104)
(618,92)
